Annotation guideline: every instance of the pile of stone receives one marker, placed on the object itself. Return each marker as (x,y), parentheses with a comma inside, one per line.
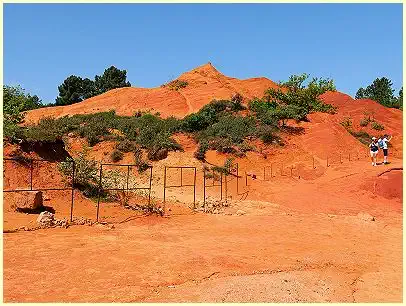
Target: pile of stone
(213,206)
(148,209)
(47,219)
(82,221)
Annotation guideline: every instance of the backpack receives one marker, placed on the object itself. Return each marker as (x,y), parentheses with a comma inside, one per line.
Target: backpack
(380,143)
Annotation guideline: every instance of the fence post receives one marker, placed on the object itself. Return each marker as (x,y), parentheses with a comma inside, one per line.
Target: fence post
(98,197)
(150,186)
(246,181)
(73,190)
(327,162)
(271,170)
(204,189)
(291,171)
(128,175)
(181,176)
(237,178)
(164,188)
(194,191)
(221,186)
(264,174)
(349,156)
(340,159)
(31,170)
(225,181)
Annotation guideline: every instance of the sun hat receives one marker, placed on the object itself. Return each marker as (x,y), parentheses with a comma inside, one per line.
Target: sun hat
(373,138)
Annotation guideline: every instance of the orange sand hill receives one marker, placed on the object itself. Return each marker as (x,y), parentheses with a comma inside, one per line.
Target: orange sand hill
(390,118)
(205,83)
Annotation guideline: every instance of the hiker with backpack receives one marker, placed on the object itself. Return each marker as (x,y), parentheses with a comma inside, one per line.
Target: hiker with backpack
(374,149)
(383,144)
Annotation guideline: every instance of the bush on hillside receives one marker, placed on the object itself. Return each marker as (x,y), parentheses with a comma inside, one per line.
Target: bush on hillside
(200,154)
(364,122)
(347,122)
(116,155)
(126,146)
(86,173)
(305,97)
(362,136)
(377,126)
(176,84)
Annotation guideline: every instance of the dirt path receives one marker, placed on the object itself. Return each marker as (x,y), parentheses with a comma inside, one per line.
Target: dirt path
(209,258)
(336,238)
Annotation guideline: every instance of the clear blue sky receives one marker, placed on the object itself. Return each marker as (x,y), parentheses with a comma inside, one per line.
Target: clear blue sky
(351,43)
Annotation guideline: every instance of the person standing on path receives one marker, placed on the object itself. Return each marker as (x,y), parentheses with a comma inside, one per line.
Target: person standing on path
(385,141)
(373,146)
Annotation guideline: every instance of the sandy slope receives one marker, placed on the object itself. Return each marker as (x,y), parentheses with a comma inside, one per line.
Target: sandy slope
(299,240)
(205,84)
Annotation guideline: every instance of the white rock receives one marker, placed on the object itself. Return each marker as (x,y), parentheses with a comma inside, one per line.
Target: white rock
(45,218)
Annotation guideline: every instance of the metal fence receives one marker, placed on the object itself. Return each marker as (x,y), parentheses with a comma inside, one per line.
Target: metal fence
(181,182)
(126,188)
(31,161)
(233,172)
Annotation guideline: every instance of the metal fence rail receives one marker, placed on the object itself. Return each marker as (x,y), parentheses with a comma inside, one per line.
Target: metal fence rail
(31,161)
(181,182)
(129,166)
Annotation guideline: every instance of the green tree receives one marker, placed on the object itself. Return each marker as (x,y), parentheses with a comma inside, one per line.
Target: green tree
(88,89)
(15,102)
(360,94)
(381,91)
(297,93)
(400,98)
(70,91)
(111,78)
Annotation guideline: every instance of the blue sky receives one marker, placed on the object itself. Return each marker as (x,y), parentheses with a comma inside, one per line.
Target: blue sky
(351,43)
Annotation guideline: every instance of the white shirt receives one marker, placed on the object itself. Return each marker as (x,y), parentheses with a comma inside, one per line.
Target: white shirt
(385,143)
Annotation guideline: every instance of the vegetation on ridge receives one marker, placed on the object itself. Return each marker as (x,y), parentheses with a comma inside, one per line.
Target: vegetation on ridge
(222,125)
(381,91)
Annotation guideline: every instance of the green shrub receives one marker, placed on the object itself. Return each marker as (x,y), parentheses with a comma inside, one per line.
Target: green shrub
(200,154)
(364,122)
(176,84)
(245,147)
(86,173)
(139,162)
(266,134)
(222,145)
(236,128)
(206,116)
(126,146)
(347,122)
(236,103)
(12,132)
(362,136)
(47,130)
(377,126)
(116,155)
(300,95)
(318,106)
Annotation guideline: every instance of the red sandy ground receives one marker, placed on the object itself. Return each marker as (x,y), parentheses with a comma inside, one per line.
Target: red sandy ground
(303,240)
(299,240)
